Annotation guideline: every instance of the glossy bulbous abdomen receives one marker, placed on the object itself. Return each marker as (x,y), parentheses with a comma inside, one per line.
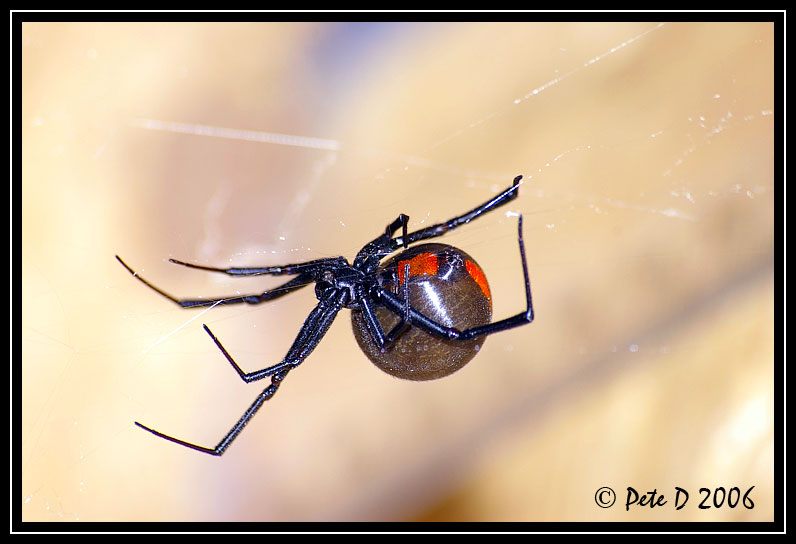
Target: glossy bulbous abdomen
(447,286)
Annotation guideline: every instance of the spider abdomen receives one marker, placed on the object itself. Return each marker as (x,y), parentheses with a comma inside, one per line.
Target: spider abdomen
(447,286)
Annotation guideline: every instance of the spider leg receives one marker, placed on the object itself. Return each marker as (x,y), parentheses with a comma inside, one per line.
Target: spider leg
(401,222)
(304,336)
(298,268)
(374,327)
(376,248)
(315,327)
(288,287)
(398,306)
(406,320)
(267,393)
(247,377)
(386,244)
(404,219)
(441,228)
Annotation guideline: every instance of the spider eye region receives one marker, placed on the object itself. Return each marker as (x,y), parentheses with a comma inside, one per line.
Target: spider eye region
(445,285)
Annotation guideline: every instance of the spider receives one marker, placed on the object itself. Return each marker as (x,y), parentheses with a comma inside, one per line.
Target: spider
(421,315)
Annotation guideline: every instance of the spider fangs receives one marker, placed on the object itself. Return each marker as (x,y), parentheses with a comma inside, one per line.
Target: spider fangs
(421,315)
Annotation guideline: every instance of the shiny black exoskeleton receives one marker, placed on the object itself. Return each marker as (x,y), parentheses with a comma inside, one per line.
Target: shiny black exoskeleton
(421,315)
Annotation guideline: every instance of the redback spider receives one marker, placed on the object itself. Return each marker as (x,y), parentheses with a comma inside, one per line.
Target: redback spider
(421,315)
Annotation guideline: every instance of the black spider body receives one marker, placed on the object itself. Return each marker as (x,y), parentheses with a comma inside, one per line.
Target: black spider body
(446,285)
(421,315)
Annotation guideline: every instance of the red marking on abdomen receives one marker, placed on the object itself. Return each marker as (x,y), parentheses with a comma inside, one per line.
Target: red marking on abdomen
(478,275)
(425,264)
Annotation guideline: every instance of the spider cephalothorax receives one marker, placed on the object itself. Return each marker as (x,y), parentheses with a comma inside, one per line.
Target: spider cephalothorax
(420,315)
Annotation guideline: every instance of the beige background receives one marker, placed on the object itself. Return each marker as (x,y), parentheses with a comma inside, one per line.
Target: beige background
(649,193)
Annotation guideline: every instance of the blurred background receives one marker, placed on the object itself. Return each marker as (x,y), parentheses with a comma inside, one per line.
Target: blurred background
(648,203)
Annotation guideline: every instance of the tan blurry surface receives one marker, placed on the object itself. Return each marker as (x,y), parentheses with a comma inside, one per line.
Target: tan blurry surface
(648,200)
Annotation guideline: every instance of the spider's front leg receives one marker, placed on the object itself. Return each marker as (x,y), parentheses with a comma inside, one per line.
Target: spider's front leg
(315,327)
